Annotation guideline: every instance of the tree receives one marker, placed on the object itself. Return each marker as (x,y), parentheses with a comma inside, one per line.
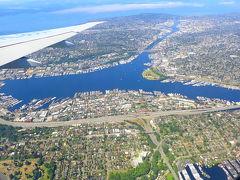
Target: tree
(40,161)
(141,170)
(36,174)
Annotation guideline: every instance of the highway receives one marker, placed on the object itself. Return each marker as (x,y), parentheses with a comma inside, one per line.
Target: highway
(119,118)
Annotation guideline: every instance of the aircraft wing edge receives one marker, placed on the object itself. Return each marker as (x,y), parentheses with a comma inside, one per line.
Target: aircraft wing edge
(17,50)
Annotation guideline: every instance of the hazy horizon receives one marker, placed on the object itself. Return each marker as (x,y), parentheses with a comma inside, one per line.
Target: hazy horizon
(31,15)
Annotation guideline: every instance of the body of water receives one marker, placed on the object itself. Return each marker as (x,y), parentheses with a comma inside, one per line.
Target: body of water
(123,77)
(215,173)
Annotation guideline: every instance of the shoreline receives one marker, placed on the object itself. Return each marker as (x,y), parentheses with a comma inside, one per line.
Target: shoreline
(182,80)
(201,83)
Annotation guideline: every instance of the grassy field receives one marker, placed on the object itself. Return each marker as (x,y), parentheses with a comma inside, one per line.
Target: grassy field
(22,169)
(18,168)
(169,176)
(153,74)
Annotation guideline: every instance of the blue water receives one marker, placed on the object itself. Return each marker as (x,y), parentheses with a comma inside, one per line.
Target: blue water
(215,173)
(123,77)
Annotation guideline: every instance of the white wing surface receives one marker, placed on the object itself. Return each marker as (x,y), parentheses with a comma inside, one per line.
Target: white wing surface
(16,46)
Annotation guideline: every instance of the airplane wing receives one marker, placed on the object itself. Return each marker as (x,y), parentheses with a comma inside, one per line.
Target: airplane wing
(17,46)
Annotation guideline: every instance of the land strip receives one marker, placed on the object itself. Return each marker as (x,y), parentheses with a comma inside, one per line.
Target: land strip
(119,118)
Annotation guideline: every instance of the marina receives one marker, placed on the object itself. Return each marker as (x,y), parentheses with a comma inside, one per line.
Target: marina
(228,170)
(127,76)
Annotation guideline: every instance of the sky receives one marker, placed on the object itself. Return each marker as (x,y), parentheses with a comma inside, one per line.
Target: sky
(29,15)
(74,6)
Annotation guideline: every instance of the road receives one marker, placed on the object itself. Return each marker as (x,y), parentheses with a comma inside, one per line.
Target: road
(165,159)
(147,127)
(119,118)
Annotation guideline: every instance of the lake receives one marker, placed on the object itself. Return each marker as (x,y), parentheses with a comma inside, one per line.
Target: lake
(123,77)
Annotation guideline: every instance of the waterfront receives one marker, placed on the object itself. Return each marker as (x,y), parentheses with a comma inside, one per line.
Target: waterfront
(123,77)
(213,172)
